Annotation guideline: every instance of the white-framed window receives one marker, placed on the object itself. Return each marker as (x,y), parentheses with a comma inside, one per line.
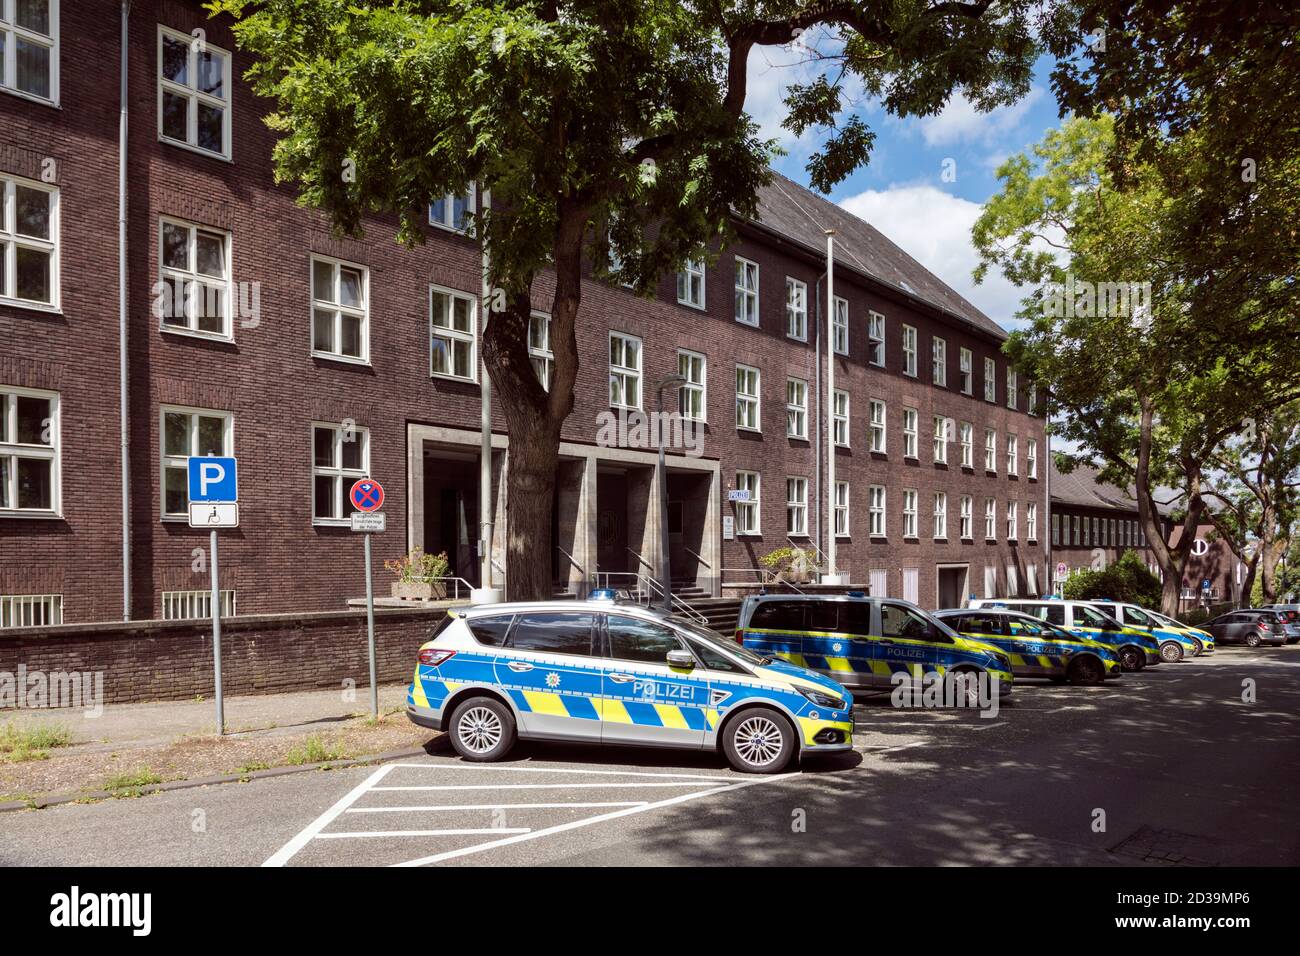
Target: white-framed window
(796,309)
(624,370)
(940,515)
(876,338)
(29,48)
(340,456)
(910,433)
(30,452)
(692,397)
(877,432)
(1031,405)
(453,327)
(195,294)
(991,519)
(1074,532)
(841,509)
(454,211)
(909,351)
(30,610)
(941,429)
(840,326)
(1113,538)
(1013,455)
(1012,514)
(340,298)
(990,450)
(796,506)
(966,442)
(909,513)
(29,243)
(746,291)
(939,360)
(747,398)
(690,284)
(1031,521)
(840,419)
(747,512)
(1056,529)
(195,605)
(967,516)
(1088,525)
(966,360)
(540,353)
(187,433)
(193,93)
(796,408)
(876,510)
(1031,457)
(1012,395)
(990,380)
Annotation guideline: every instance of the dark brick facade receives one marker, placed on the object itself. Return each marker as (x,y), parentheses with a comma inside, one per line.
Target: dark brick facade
(269,381)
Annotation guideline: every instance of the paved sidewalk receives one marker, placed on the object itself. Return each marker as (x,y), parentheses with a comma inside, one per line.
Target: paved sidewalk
(148,724)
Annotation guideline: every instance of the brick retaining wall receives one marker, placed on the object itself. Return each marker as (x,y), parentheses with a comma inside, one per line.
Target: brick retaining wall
(261,654)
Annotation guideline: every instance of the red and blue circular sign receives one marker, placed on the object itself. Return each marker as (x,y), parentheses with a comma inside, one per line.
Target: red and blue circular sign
(367,495)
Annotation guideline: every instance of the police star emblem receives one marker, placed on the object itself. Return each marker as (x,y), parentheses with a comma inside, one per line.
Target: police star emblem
(552,679)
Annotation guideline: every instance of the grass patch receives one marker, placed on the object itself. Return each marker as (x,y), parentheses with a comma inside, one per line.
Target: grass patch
(251,767)
(133,783)
(18,744)
(314,750)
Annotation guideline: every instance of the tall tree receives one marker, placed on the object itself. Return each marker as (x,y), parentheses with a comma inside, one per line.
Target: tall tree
(605,130)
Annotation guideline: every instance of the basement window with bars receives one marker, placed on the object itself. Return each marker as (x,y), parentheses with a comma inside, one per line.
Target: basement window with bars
(29,48)
(186,433)
(340,458)
(452,323)
(30,610)
(193,93)
(339,318)
(189,605)
(29,452)
(29,234)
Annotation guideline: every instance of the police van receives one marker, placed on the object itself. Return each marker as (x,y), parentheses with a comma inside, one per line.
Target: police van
(862,642)
(1176,640)
(598,671)
(1135,648)
(1037,649)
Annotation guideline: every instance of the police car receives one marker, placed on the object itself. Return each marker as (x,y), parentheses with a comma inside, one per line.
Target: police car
(598,671)
(1176,641)
(1136,648)
(864,641)
(1037,649)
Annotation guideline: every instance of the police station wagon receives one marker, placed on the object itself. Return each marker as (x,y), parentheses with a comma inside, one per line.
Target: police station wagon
(1037,649)
(1136,648)
(600,672)
(1176,641)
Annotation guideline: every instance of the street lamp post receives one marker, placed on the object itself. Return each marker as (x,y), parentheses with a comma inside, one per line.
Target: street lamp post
(673,382)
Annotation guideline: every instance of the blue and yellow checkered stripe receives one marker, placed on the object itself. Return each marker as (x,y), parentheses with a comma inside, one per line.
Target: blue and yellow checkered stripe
(802,651)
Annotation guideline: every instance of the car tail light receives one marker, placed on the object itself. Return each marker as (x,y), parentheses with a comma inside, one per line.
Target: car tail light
(740,636)
(433,656)
(1262,625)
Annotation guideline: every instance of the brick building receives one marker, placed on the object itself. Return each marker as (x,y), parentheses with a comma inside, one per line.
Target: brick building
(251,331)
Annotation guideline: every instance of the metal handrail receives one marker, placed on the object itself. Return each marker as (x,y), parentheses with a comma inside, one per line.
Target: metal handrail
(458,581)
(697,556)
(657,590)
(766,577)
(572,560)
(642,560)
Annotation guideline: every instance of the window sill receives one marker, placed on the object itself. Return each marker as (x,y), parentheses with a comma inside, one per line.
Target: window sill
(199,150)
(331,522)
(195,334)
(451,229)
(43,307)
(797,338)
(343,359)
(453,378)
(13,513)
(751,431)
(31,97)
(692,305)
(752,325)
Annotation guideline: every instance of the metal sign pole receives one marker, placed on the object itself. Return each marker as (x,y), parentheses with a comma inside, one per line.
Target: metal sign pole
(216,638)
(370,630)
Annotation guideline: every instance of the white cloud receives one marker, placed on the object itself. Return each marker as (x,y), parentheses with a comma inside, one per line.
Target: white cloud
(959,121)
(934,227)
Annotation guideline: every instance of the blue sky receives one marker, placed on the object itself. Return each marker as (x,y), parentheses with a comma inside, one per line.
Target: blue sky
(902,192)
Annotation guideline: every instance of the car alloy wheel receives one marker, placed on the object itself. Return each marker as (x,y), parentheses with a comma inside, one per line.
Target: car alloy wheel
(479,729)
(1087,671)
(759,741)
(1252,640)
(1131,659)
(1171,652)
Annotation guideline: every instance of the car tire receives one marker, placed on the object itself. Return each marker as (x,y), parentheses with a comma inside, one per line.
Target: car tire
(759,740)
(482,729)
(1171,652)
(1252,640)
(1086,671)
(1131,658)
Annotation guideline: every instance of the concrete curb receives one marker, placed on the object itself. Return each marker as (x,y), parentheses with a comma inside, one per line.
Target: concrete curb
(41,804)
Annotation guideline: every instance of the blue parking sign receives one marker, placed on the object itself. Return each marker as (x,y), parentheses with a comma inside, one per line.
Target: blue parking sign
(213,479)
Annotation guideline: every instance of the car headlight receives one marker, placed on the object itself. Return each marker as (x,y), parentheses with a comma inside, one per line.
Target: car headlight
(822,700)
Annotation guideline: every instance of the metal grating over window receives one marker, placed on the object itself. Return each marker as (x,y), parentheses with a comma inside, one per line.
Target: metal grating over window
(185,605)
(30,610)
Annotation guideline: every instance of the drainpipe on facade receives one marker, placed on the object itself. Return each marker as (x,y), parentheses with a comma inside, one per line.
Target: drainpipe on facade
(487,505)
(816,424)
(122,318)
(1047,491)
(830,406)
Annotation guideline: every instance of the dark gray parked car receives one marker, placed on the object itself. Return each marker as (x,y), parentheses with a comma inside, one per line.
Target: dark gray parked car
(1251,626)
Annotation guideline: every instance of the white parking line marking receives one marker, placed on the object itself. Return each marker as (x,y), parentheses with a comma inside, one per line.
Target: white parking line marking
(499,806)
(542,786)
(286,852)
(421,833)
(585,773)
(573,825)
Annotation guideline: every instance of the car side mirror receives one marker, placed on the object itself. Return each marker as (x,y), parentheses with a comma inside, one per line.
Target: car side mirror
(680,658)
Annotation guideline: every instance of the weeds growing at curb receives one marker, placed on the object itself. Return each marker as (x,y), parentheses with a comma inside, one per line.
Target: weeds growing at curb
(18,744)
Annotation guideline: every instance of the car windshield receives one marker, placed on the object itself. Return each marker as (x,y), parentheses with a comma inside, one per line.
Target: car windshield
(717,640)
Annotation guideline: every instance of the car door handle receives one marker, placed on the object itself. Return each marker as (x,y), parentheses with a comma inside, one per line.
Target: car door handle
(885,640)
(861,640)
(620,678)
(519,666)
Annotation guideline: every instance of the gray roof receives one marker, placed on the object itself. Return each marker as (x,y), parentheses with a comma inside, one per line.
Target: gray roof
(1083,488)
(801,216)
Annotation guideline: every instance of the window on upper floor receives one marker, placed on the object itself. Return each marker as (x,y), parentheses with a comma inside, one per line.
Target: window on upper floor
(692,396)
(1012,396)
(540,353)
(990,380)
(990,450)
(188,433)
(840,419)
(840,326)
(939,361)
(195,293)
(193,93)
(29,48)
(747,399)
(876,338)
(30,451)
(624,370)
(339,314)
(29,238)
(452,334)
(796,408)
(967,374)
(746,291)
(690,284)
(796,309)
(910,433)
(909,351)
(877,433)
(454,211)
(340,458)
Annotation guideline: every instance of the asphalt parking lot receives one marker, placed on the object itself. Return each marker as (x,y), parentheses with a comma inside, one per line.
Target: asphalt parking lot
(1168,767)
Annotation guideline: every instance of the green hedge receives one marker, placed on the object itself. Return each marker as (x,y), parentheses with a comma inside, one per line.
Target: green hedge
(1128,580)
